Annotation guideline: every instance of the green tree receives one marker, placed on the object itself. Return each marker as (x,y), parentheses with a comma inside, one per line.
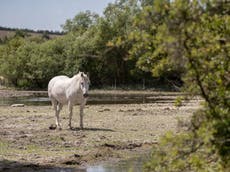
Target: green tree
(115,28)
(11,64)
(151,42)
(81,22)
(203,36)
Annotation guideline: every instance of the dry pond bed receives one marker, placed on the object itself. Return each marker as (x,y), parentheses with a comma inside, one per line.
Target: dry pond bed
(111,133)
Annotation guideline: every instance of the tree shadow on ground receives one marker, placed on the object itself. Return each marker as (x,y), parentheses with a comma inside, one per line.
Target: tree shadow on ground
(14,166)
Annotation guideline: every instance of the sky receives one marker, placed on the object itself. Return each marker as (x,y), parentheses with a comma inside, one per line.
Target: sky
(45,14)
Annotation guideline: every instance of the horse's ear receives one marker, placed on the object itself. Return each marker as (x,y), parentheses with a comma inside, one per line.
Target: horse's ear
(82,75)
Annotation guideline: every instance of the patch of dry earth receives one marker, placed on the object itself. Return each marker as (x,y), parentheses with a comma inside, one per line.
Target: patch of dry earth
(112,132)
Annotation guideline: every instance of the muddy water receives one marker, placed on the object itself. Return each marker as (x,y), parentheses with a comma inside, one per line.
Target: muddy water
(96,99)
(134,165)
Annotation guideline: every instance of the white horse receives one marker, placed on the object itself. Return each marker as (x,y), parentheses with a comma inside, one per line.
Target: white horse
(71,91)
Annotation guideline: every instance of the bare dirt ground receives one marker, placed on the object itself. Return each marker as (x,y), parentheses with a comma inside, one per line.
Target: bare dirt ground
(112,133)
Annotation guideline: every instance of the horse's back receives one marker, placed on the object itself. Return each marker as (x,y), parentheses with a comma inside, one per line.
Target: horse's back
(56,86)
(57,79)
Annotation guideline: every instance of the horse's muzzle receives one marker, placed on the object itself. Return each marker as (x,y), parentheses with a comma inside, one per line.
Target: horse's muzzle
(86,95)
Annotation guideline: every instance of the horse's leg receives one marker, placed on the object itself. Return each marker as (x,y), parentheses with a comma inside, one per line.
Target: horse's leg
(81,115)
(54,104)
(70,107)
(59,108)
(57,112)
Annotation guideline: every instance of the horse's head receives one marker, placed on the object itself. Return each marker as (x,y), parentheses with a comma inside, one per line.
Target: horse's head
(85,82)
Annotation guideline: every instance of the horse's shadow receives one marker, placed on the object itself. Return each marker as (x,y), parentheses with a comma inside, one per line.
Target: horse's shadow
(91,129)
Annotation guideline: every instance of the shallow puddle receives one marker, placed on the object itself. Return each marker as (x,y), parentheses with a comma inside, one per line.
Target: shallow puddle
(133,165)
(95,99)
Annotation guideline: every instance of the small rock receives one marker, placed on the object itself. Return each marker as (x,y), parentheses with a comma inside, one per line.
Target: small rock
(104,110)
(77,155)
(17,105)
(23,136)
(135,114)
(102,137)
(71,162)
(62,138)
(52,127)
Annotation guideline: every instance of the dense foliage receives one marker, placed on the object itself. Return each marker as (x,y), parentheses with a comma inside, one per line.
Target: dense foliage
(179,41)
(200,31)
(88,45)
